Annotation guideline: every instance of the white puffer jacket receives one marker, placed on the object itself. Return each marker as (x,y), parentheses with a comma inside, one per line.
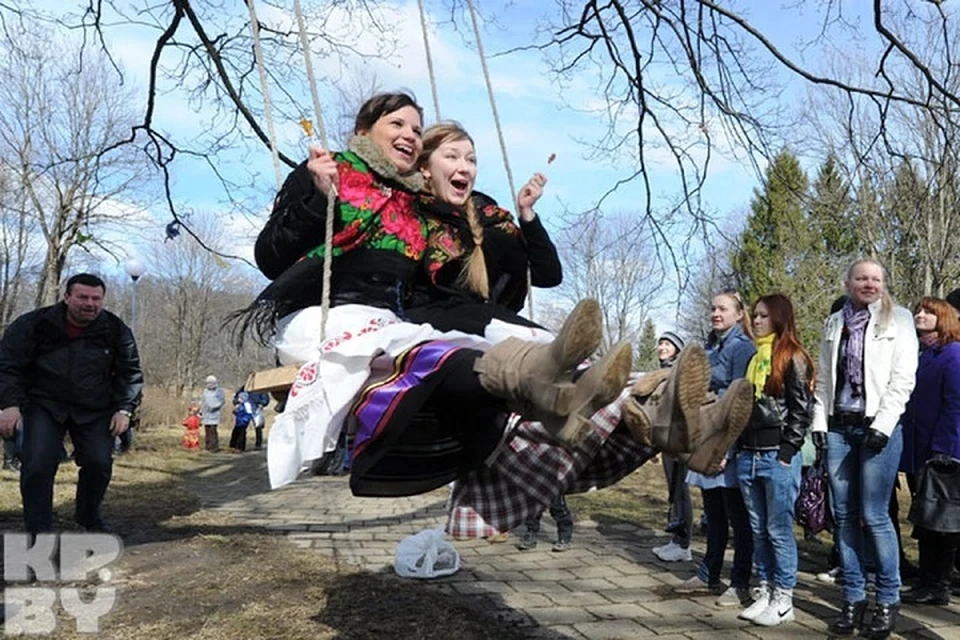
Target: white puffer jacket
(889,365)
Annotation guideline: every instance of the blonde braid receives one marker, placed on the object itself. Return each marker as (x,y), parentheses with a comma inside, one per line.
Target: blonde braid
(474,272)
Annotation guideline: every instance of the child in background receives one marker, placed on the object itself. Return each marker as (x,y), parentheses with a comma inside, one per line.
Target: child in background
(243,412)
(191,437)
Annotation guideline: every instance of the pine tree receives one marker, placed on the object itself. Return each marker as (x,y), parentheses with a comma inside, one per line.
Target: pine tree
(647,348)
(776,239)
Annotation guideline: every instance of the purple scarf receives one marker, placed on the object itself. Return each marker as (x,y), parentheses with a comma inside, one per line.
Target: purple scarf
(855,324)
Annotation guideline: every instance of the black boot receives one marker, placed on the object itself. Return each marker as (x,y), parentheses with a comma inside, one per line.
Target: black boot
(884,620)
(850,619)
(927,594)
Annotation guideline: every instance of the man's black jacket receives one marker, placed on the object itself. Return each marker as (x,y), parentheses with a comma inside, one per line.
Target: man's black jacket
(87,378)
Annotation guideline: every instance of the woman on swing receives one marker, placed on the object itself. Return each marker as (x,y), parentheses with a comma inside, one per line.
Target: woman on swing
(378,244)
(472,244)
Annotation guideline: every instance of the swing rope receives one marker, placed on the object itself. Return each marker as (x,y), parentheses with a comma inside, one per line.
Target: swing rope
(267,114)
(332,193)
(496,121)
(426,48)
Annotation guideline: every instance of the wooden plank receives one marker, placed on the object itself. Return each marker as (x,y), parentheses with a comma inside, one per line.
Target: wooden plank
(279,379)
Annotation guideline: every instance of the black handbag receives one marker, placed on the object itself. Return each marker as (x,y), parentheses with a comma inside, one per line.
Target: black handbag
(936,505)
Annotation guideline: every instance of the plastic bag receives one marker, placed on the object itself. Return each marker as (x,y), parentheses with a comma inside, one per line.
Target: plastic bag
(426,555)
(812,510)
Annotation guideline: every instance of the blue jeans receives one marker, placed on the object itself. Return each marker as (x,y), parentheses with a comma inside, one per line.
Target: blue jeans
(861,482)
(770,490)
(724,508)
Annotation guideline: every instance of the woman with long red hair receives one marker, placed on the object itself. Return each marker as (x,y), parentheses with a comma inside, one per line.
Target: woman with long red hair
(768,460)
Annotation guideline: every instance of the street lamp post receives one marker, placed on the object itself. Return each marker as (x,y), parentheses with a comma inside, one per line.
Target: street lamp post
(134,269)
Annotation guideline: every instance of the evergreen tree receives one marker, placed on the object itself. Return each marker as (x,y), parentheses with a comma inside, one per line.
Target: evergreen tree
(647,348)
(775,248)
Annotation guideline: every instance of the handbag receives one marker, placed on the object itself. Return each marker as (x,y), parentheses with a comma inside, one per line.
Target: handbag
(811,509)
(936,504)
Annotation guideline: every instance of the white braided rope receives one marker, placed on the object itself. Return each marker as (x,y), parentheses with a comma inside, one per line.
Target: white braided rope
(264,89)
(332,193)
(496,121)
(426,48)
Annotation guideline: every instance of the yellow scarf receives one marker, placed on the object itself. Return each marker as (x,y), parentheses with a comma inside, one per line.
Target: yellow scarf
(759,368)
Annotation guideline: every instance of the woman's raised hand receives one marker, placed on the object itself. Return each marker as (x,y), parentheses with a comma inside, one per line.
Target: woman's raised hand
(323,169)
(529,195)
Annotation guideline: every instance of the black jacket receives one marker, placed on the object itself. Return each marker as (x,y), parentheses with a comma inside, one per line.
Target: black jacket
(782,423)
(85,379)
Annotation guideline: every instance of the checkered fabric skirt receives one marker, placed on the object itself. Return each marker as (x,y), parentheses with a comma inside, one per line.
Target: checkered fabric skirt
(531,470)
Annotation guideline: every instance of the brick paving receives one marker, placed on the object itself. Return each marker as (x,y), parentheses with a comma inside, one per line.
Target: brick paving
(608,585)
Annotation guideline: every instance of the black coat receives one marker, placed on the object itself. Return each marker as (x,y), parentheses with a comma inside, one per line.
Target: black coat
(85,378)
(781,423)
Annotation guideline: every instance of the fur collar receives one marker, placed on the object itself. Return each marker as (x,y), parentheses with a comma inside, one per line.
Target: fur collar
(369,152)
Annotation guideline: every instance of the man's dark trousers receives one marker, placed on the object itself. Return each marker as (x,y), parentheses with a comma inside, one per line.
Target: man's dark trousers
(93,449)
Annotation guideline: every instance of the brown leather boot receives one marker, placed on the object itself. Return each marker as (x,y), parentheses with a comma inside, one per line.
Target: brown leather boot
(596,388)
(529,373)
(721,422)
(664,409)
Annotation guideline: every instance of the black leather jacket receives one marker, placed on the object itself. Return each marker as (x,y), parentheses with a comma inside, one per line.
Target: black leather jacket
(782,423)
(85,378)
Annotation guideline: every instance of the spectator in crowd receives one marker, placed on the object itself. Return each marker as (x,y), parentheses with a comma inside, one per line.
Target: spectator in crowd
(680,518)
(191,436)
(729,349)
(70,367)
(561,515)
(211,406)
(243,415)
(931,436)
(866,370)
(768,459)
(259,401)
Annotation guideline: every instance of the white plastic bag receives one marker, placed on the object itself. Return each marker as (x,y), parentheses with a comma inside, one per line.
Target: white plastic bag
(426,555)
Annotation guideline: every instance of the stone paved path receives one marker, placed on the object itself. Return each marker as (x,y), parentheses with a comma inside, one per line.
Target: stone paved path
(608,585)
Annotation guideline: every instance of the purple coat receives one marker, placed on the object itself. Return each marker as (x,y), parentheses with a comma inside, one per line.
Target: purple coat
(931,421)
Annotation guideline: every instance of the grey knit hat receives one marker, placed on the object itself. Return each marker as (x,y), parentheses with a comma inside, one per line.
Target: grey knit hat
(672,338)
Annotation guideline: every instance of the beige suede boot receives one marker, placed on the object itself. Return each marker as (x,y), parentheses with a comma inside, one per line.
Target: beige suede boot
(722,422)
(665,408)
(596,388)
(529,373)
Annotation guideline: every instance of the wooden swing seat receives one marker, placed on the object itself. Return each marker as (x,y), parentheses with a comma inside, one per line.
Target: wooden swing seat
(276,379)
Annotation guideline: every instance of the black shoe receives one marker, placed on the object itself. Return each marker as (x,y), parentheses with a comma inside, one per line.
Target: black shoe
(94,526)
(884,620)
(561,545)
(529,541)
(850,619)
(939,596)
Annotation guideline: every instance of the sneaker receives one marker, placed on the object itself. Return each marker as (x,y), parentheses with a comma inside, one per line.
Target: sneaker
(672,552)
(692,585)
(830,577)
(529,541)
(733,597)
(561,545)
(761,599)
(779,610)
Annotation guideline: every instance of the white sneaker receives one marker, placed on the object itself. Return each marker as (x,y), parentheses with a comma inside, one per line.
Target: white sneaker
(761,598)
(733,597)
(672,552)
(779,610)
(830,577)
(692,585)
